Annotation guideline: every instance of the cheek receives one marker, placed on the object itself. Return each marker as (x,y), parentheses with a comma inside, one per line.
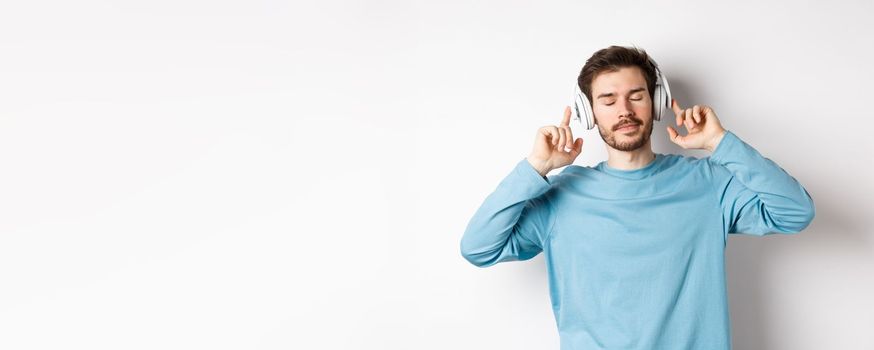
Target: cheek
(598,108)
(603,113)
(644,109)
(646,106)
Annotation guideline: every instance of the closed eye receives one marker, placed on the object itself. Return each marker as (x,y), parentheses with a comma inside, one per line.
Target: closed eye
(633,99)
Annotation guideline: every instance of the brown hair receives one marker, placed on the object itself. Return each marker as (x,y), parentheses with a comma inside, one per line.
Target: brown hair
(612,59)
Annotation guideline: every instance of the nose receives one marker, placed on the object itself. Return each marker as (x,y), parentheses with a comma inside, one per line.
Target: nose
(625,109)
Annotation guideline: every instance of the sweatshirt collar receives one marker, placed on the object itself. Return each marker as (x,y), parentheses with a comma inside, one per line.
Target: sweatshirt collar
(634,174)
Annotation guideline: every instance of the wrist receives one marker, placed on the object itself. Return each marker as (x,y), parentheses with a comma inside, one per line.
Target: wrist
(540,166)
(714,142)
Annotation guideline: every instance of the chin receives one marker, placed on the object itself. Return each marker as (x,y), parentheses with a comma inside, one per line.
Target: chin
(628,142)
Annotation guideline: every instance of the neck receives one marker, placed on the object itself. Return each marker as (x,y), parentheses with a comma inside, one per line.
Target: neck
(630,160)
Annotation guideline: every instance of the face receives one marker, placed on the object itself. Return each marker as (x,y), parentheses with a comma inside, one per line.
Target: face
(623,108)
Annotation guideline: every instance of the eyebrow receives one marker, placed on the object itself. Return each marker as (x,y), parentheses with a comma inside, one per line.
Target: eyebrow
(609,94)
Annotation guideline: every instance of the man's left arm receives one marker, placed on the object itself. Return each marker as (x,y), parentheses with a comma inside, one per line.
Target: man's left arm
(756,195)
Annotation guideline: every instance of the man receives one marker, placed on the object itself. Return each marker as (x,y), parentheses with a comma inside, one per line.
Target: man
(634,246)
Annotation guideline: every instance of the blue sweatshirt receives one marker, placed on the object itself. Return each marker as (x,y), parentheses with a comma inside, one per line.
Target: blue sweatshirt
(635,258)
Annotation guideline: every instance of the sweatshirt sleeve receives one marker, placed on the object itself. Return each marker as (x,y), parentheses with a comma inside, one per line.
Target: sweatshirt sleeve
(513,221)
(757,196)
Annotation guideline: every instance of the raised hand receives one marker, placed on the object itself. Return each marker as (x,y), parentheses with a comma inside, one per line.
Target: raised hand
(550,146)
(703,128)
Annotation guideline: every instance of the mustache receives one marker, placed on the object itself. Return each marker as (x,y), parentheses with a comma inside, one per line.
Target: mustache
(632,122)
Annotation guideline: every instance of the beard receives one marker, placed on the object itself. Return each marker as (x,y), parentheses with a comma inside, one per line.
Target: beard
(636,140)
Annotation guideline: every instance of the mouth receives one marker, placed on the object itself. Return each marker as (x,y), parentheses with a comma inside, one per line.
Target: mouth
(628,127)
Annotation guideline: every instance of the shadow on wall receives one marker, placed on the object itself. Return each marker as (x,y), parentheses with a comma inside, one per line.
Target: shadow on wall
(748,257)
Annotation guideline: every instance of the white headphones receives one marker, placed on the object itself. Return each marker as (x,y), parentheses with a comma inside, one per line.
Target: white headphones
(661,101)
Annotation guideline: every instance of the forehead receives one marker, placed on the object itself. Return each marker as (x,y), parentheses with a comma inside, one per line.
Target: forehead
(626,78)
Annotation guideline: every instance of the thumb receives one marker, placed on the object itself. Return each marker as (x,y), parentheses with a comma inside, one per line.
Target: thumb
(578,146)
(675,137)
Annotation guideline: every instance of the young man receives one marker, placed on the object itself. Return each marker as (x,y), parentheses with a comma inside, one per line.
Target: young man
(634,246)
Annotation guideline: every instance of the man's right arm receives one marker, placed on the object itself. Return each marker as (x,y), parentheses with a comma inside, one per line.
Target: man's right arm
(512,222)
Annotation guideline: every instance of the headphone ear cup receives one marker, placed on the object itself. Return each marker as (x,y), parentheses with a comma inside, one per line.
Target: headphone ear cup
(662,93)
(666,93)
(590,115)
(576,113)
(658,102)
(582,109)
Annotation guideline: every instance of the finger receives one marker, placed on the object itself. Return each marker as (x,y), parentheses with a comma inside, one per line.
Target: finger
(706,113)
(569,137)
(567,116)
(677,111)
(549,136)
(553,135)
(564,140)
(687,117)
(561,139)
(696,114)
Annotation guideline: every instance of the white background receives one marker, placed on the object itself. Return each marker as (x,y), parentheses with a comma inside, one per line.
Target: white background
(274,175)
